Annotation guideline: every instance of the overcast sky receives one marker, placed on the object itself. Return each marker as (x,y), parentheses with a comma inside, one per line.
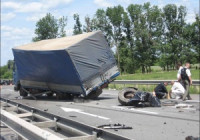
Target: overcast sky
(18,17)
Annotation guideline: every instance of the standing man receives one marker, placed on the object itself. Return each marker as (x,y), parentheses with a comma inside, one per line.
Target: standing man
(179,67)
(177,91)
(186,80)
(161,91)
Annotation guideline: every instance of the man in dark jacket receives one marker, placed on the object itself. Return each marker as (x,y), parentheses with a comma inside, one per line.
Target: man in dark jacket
(186,80)
(161,91)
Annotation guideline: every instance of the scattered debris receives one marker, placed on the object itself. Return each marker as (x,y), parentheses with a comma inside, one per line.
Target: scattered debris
(183,106)
(18,98)
(192,138)
(114,126)
(73,116)
(169,103)
(80,100)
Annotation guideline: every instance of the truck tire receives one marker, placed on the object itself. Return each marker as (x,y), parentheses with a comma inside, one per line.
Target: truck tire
(125,95)
(94,94)
(23,93)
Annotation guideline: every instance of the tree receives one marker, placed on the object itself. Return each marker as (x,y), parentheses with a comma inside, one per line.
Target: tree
(10,64)
(195,38)
(49,27)
(90,24)
(140,34)
(7,70)
(146,35)
(191,42)
(115,16)
(62,25)
(175,23)
(128,63)
(77,26)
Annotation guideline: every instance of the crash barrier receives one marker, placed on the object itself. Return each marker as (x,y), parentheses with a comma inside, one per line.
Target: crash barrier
(149,82)
(29,123)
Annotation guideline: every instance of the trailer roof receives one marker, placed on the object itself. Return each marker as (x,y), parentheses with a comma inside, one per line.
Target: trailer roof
(57,43)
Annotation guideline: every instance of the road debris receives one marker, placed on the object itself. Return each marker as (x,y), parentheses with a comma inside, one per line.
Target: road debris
(169,103)
(183,105)
(192,138)
(73,116)
(115,126)
(45,109)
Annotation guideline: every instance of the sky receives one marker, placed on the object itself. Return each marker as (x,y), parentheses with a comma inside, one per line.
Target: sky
(19,17)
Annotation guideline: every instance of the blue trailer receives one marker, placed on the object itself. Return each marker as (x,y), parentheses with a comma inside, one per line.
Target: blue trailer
(79,65)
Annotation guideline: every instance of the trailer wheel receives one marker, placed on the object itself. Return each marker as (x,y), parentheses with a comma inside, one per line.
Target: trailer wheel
(125,95)
(23,93)
(94,94)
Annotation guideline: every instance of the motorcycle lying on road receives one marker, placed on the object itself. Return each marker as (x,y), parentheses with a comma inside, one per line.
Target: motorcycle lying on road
(133,97)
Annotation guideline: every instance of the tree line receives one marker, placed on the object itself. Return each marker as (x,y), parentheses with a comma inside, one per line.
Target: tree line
(6,71)
(144,35)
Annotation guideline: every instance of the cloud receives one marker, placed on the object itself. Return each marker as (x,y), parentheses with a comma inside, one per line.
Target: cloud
(12,37)
(33,6)
(23,7)
(103,3)
(9,33)
(124,1)
(7,16)
(35,17)
(54,3)
(10,5)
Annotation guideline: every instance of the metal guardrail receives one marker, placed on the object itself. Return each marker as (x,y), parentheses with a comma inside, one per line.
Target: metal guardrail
(72,127)
(149,82)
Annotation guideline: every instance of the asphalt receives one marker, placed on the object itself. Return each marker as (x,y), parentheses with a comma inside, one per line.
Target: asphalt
(163,123)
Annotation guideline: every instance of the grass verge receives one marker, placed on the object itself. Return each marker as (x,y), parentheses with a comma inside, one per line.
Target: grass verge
(164,75)
(149,88)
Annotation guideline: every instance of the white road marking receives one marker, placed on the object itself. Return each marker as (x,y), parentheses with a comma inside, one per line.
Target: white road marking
(85,113)
(135,110)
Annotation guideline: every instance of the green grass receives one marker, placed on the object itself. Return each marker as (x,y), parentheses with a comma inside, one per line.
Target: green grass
(156,68)
(163,75)
(195,65)
(150,88)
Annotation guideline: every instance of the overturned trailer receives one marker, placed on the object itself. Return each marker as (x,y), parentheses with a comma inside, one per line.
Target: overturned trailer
(76,65)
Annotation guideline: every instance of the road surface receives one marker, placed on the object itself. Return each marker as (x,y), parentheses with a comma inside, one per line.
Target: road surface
(164,123)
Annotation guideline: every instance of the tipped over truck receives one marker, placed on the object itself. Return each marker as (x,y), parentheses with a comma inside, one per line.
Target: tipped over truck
(80,65)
